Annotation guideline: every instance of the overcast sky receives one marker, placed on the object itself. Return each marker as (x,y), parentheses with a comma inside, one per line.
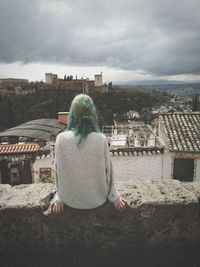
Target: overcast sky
(129,40)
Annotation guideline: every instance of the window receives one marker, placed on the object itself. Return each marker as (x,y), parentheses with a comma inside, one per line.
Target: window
(183,169)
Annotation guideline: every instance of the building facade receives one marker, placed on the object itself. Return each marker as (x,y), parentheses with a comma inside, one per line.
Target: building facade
(180,132)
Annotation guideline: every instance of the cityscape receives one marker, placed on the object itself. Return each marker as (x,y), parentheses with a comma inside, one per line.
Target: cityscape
(135,132)
(99,133)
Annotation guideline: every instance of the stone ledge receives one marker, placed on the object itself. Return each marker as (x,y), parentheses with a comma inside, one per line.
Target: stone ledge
(159,213)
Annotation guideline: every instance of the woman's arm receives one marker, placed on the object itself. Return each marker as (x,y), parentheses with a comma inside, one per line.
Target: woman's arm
(56,203)
(57,196)
(113,194)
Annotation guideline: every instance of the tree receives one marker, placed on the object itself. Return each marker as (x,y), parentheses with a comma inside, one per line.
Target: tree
(110,86)
(195,103)
(69,77)
(11,120)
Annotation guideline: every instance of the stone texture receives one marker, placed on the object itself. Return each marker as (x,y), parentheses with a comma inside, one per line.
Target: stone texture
(25,196)
(159,213)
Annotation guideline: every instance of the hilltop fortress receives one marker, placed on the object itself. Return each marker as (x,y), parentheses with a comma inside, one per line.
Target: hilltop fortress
(82,85)
(11,86)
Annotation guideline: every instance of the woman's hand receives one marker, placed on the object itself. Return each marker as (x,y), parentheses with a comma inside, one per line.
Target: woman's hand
(120,204)
(57,208)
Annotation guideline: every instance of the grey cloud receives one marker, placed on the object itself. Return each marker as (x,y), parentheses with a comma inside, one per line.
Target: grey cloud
(160,37)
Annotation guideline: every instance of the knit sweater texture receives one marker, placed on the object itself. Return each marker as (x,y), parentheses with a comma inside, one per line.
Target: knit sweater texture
(84,175)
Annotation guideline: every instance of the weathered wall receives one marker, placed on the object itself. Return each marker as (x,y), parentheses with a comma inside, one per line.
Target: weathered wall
(146,167)
(159,213)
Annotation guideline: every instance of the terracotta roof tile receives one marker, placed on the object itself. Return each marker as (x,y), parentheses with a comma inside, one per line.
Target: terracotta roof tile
(182,131)
(19,148)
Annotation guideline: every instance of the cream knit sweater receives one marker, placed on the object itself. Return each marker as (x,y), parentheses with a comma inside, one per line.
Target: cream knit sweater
(84,176)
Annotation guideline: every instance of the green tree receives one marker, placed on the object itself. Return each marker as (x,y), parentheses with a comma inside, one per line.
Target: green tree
(10,114)
(110,86)
(195,103)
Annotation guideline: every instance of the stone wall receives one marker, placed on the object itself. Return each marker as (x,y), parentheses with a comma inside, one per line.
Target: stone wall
(159,213)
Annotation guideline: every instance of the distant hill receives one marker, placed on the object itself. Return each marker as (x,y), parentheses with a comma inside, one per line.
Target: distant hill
(147,83)
(189,89)
(46,103)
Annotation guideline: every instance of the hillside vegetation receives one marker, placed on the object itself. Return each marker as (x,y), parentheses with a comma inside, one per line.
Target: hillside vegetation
(46,103)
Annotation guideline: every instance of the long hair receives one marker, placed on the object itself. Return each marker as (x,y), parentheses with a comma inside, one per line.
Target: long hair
(82,117)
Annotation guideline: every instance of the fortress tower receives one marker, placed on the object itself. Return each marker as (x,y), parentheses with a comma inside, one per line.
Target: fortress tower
(50,77)
(98,80)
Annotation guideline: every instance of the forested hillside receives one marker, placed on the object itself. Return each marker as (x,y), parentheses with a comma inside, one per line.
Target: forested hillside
(46,103)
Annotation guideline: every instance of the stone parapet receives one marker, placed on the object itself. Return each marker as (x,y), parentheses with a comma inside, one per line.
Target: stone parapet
(159,213)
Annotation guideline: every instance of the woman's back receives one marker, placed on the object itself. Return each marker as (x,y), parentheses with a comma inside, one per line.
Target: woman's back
(82,170)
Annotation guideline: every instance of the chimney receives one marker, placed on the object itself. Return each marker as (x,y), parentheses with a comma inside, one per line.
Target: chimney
(63,117)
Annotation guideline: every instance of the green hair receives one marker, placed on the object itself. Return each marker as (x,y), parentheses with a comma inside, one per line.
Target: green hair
(82,117)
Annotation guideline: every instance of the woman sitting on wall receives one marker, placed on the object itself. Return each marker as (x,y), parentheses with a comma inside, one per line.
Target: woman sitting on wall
(83,168)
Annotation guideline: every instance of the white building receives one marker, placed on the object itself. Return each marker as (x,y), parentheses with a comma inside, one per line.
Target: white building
(180,132)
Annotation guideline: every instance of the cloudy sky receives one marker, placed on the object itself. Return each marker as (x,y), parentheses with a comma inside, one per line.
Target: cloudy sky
(128,40)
